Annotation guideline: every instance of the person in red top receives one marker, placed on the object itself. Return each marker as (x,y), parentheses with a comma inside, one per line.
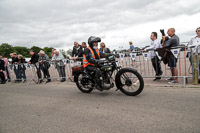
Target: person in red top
(6,68)
(52,54)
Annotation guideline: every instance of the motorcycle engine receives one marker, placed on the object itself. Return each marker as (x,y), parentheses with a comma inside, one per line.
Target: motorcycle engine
(86,82)
(106,86)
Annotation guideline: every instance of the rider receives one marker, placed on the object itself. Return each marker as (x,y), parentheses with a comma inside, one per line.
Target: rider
(91,58)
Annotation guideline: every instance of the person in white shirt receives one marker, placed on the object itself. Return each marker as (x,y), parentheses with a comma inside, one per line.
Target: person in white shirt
(154,58)
(194,44)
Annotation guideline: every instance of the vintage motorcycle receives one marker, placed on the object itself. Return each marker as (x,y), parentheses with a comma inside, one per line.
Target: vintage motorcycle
(127,80)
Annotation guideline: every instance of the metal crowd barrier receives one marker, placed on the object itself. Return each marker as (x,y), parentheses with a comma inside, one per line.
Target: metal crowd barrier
(137,60)
(31,71)
(141,62)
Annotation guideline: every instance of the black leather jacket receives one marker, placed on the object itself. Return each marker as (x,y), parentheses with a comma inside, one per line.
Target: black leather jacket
(77,51)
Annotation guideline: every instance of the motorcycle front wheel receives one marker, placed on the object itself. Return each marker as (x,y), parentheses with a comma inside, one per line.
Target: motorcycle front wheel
(129,81)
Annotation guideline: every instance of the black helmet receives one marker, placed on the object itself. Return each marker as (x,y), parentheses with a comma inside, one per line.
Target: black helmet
(93,39)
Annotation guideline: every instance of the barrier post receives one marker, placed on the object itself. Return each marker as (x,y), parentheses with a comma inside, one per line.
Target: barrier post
(195,74)
(198,60)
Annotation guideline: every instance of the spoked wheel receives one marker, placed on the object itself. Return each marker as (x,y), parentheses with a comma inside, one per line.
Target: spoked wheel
(84,84)
(129,81)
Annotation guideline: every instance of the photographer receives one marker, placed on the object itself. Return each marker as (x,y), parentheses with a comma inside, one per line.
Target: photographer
(173,41)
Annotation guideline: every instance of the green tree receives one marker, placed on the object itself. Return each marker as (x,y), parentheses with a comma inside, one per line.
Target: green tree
(6,49)
(69,52)
(63,52)
(36,49)
(21,50)
(48,50)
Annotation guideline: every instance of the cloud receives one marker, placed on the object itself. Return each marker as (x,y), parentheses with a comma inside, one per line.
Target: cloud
(60,23)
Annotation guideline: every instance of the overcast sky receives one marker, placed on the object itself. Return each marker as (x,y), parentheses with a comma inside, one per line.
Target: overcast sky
(58,23)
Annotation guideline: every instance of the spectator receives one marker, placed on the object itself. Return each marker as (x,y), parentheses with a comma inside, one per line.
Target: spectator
(84,45)
(103,48)
(15,61)
(21,68)
(154,59)
(194,43)
(44,65)
(60,66)
(2,69)
(173,41)
(131,47)
(52,52)
(6,68)
(34,61)
(77,50)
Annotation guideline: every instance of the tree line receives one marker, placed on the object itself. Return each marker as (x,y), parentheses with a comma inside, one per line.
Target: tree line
(6,49)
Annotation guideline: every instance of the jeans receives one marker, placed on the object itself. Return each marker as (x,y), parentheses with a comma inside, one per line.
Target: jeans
(61,72)
(21,74)
(45,71)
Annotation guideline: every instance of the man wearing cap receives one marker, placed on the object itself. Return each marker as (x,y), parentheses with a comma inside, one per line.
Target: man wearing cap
(44,65)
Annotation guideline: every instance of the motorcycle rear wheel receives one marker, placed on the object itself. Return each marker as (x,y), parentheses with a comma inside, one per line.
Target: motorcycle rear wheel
(80,86)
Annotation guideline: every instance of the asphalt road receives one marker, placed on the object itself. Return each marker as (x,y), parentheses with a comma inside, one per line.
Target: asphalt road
(62,108)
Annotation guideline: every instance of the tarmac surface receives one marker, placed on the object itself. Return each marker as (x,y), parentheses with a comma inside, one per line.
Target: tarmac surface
(62,108)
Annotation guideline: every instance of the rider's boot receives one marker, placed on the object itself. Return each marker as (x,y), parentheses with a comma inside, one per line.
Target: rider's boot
(98,87)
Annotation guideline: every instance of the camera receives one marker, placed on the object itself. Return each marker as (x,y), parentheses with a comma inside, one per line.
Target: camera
(162,32)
